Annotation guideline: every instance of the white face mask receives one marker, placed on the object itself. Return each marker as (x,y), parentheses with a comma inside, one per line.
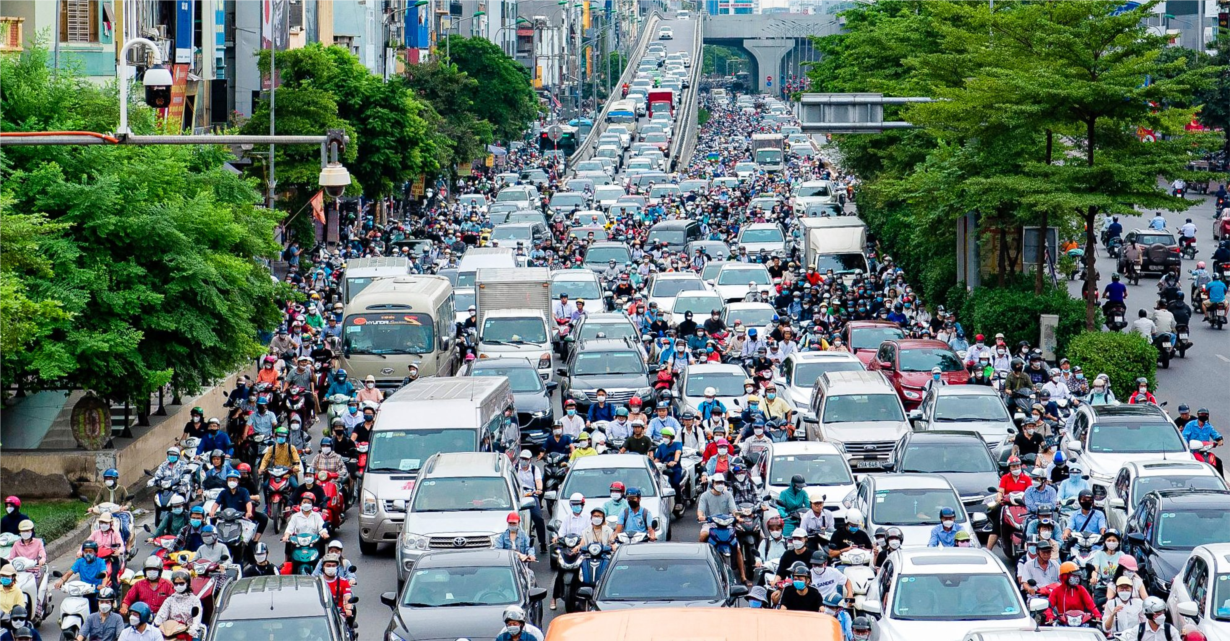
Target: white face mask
(181,587)
(331,571)
(1125,595)
(306,508)
(325,449)
(1112,545)
(232,484)
(615,496)
(104,527)
(260,558)
(134,620)
(8,509)
(597,520)
(776,534)
(109,483)
(104,607)
(27,535)
(894,544)
(798,545)
(152,575)
(370,385)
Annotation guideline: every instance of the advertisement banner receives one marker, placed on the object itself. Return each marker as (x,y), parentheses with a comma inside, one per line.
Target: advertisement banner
(179,90)
(184,11)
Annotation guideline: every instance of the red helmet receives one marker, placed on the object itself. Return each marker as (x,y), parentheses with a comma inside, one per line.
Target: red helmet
(617,486)
(1013,460)
(513,517)
(12,500)
(244,468)
(635,401)
(1194,635)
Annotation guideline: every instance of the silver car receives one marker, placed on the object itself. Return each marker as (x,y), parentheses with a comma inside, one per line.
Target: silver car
(592,476)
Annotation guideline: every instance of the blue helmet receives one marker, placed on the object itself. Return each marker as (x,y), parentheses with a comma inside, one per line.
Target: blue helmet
(111,474)
(835,600)
(634,491)
(233,474)
(326,441)
(948,513)
(1059,458)
(142,611)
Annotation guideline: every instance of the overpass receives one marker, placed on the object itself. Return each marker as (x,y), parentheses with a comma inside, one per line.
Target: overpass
(778,44)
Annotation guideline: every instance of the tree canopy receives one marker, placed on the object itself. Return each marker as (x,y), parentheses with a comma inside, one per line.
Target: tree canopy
(504,95)
(450,93)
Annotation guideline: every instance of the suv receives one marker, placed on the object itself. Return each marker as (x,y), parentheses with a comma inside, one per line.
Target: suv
(617,366)
(1159,250)
(859,413)
(1168,525)
(1138,478)
(962,458)
(285,607)
(675,233)
(1104,438)
(460,502)
(907,365)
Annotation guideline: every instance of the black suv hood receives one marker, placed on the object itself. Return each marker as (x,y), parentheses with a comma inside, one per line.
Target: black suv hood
(609,381)
(530,402)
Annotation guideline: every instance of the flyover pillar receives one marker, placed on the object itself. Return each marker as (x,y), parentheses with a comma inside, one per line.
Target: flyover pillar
(769,54)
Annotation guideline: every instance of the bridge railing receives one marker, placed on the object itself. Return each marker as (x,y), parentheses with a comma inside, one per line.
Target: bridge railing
(684,142)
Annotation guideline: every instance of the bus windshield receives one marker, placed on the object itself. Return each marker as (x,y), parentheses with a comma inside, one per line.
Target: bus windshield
(390,333)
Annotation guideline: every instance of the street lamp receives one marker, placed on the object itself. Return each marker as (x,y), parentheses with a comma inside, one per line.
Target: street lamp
(520,21)
(157,82)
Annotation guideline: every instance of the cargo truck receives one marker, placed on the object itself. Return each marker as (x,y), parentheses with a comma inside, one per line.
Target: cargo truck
(769,151)
(514,315)
(660,99)
(835,243)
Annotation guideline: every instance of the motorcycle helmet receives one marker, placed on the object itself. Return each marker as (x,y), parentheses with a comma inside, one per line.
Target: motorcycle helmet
(861,624)
(260,548)
(835,600)
(111,474)
(197,509)
(1128,562)
(106,594)
(1013,460)
(945,513)
(26,525)
(89,545)
(23,632)
(514,613)
(819,558)
(775,521)
(634,491)
(217,454)
(1017,364)
(1153,605)
(177,500)
(244,468)
(181,575)
(142,611)
(854,517)
(152,563)
(171,451)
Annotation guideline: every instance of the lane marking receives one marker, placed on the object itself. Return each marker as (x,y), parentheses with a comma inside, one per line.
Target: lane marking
(1223,358)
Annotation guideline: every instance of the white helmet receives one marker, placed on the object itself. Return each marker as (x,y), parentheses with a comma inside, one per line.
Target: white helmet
(1153,605)
(709,391)
(514,613)
(576,497)
(854,517)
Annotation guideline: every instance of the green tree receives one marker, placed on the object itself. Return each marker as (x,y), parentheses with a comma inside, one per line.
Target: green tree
(450,94)
(504,97)
(1215,99)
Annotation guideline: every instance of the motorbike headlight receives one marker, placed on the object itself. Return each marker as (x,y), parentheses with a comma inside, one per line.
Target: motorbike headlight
(369,504)
(411,541)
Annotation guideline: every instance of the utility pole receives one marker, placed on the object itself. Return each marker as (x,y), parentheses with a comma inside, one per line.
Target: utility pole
(273,76)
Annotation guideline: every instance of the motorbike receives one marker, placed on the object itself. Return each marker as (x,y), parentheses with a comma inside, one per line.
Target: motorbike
(277,496)
(1114,247)
(167,488)
(1014,517)
(75,607)
(1203,452)
(594,560)
(210,498)
(554,471)
(1165,349)
(623,538)
(34,584)
(235,532)
(1116,316)
(722,538)
(305,554)
(1184,341)
(335,503)
(693,466)
(1188,250)
(750,533)
(855,563)
(337,406)
(296,404)
(1081,546)
(1217,315)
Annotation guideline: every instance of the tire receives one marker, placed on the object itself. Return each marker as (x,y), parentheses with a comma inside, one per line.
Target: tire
(1182,352)
(275,520)
(368,548)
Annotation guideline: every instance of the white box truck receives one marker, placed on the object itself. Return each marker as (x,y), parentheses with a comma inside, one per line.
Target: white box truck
(769,151)
(514,315)
(835,243)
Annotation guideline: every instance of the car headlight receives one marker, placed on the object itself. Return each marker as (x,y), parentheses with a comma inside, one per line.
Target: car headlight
(544,361)
(369,504)
(914,396)
(644,392)
(577,394)
(542,414)
(411,541)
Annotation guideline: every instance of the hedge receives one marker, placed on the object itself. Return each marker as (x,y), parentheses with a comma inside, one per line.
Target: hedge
(1123,357)
(54,518)
(1014,310)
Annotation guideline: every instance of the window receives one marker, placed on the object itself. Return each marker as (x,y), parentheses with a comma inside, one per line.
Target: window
(1195,580)
(79,21)
(963,597)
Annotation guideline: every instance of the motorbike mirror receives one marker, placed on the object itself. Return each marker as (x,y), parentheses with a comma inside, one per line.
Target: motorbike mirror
(737,403)
(148,472)
(872,607)
(354,599)
(553,526)
(103,575)
(57,574)
(147,528)
(82,498)
(352,569)
(389,599)
(737,591)
(992,489)
(978,519)
(1118,504)
(225,558)
(538,594)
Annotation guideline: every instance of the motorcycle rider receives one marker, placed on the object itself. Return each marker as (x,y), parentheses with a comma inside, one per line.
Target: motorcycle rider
(113,491)
(1200,429)
(310,488)
(19,620)
(574,522)
(1040,571)
(11,596)
(798,594)
(1155,627)
(1101,394)
(1071,595)
(189,537)
(1040,493)
(1125,611)
(835,606)
(369,393)
(151,589)
(260,565)
(1018,379)
(893,538)
(516,628)
(215,439)
(1042,526)
(211,548)
(1142,394)
(13,516)
(514,538)
(107,535)
(635,518)
(29,547)
(181,605)
(140,625)
(105,624)
(214,475)
(1088,519)
(262,421)
(174,520)
(174,468)
(853,535)
(282,454)
(944,534)
(817,522)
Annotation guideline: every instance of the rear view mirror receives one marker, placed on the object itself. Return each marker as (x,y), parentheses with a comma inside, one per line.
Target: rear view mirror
(737,591)
(389,599)
(1189,609)
(1038,604)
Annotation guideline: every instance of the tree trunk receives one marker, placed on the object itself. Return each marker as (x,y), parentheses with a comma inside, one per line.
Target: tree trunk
(1045,222)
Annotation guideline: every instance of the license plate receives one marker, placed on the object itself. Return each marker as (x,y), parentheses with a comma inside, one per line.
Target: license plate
(1182,336)
(1156,267)
(867,463)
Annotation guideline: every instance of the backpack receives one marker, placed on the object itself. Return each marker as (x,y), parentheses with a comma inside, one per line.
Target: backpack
(1170,631)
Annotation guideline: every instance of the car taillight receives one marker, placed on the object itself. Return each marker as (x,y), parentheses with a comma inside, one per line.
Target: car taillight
(1174,250)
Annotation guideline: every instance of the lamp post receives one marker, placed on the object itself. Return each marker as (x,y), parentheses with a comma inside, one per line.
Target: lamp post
(520,21)
(157,80)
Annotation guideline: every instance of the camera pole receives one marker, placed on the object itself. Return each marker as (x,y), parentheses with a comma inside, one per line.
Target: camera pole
(161,81)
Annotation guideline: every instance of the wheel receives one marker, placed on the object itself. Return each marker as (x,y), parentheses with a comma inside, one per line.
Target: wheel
(275,520)
(1182,352)
(368,548)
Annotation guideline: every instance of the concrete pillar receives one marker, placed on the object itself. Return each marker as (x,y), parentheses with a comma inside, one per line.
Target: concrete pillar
(768,54)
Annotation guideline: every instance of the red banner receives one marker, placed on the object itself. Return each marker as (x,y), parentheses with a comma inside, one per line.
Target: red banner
(179,92)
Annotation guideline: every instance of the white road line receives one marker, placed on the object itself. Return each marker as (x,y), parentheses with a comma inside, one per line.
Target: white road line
(1223,358)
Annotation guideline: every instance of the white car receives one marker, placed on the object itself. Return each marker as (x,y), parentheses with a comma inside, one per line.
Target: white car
(591,477)
(820,192)
(801,369)
(758,237)
(757,316)
(475,201)
(733,279)
(700,303)
(666,33)
(824,469)
(1138,478)
(912,503)
(1104,438)
(726,380)
(942,594)
(745,170)
(1200,594)
(665,287)
(608,195)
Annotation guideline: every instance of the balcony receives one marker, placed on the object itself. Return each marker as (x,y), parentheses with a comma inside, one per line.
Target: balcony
(11,37)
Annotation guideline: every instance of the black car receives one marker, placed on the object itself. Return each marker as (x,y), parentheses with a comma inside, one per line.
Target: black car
(277,607)
(675,233)
(531,396)
(474,585)
(1159,250)
(960,457)
(1167,525)
(617,366)
(664,575)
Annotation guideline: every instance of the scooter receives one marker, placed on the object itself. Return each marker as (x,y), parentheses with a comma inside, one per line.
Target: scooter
(1217,315)
(722,539)
(335,502)
(234,531)
(595,558)
(569,564)
(125,520)
(1184,341)
(1189,248)
(162,498)
(855,563)
(277,496)
(1203,452)
(1165,349)
(1012,531)
(1081,547)
(337,406)
(305,554)
(7,541)
(75,607)
(750,534)
(34,585)
(1116,316)
(554,471)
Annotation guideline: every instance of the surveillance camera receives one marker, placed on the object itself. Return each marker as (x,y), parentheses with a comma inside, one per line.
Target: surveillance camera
(334,179)
(158,83)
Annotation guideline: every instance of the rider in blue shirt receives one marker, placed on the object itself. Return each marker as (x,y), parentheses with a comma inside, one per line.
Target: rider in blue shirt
(1114,229)
(1200,429)
(1216,289)
(1040,493)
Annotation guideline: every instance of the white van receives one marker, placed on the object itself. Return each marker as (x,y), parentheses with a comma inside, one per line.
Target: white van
(426,417)
(396,322)
(477,258)
(361,272)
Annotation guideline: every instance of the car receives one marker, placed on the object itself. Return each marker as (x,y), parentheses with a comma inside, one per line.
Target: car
(531,396)
(666,33)
(1137,478)
(733,280)
(865,337)
(715,250)
(591,477)
(579,184)
(536,177)
(813,192)
(962,458)
(476,202)
(1159,250)
(757,316)
(1168,525)
(678,575)
(498,212)
(291,606)
(725,379)
(758,237)
(825,471)
(589,165)
(907,363)
(614,325)
(694,185)
(1104,438)
(476,586)
(526,234)
(460,501)
(819,210)
(566,201)
(683,15)
(1200,594)
(523,196)
(579,284)
(599,255)
(800,370)
(745,170)
(662,288)
(943,594)
(972,408)
(660,191)
(615,365)
(860,413)
(599,233)
(608,195)
(911,502)
(700,303)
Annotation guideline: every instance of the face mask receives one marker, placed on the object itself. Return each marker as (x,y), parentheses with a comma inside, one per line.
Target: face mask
(723,450)
(557,432)
(634,503)
(799,545)
(759,431)
(1159,618)
(615,496)
(104,607)
(752,603)
(1112,545)
(1086,505)
(748,389)
(181,587)
(195,522)
(295,427)
(1016,472)
(771,395)
(597,520)
(170,459)
(576,509)
(1131,574)
(854,528)
(109,483)
(799,585)
(1080,377)
(331,571)
(718,488)
(513,630)
(572,412)
(260,558)
(775,534)
(281,440)
(894,544)
(1074,580)
(6,581)
(305,508)
(948,524)
(370,385)
(1045,534)
(26,536)
(1033,549)
(326,449)
(601,399)
(134,620)
(104,527)
(232,484)
(177,510)
(353,410)
(208,539)
(152,575)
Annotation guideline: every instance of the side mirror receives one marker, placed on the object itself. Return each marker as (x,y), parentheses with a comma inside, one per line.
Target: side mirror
(550,495)
(914,415)
(553,526)
(225,558)
(1136,538)
(389,599)
(737,403)
(872,607)
(1075,445)
(57,574)
(737,591)
(1118,504)
(354,599)
(585,593)
(1189,609)
(809,416)
(562,371)
(889,466)
(538,594)
(1038,604)
(668,492)
(992,489)
(147,528)
(978,519)
(552,386)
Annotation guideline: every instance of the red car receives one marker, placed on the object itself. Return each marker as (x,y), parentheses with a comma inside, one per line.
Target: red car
(864,337)
(908,364)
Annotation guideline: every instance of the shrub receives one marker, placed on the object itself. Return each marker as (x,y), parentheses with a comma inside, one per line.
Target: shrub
(1015,310)
(1123,357)
(54,518)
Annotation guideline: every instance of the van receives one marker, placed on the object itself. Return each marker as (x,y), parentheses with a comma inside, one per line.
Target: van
(361,272)
(835,243)
(858,411)
(396,322)
(424,418)
(483,258)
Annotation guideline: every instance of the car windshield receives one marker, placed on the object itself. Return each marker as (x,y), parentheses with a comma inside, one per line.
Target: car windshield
(956,597)
(584,232)
(663,190)
(929,458)
(767,235)
(913,506)
(823,209)
(1125,438)
(514,330)
(743,276)
(1185,529)
(725,383)
(661,580)
(462,299)
(813,191)
(460,586)
(512,195)
(816,469)
(693,185)
(405,450)
(923,359)
(805,374)
(608,193)
(655,138)
(840,263)
(698,305)
(462,494)
(397,333)
(669,287)
(1155,239)
(857,408)
(970,408)
(1221,597)
(316,627)
(619,254)
(1142,485)
(568,201)
(473,200)
(520,379)
(525,217)
(871,337)
(512,232)
(600,363)
(596,481)
(617,329)
(751,316)
(670,237)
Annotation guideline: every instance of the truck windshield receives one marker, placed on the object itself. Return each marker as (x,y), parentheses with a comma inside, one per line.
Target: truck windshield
(768,157)
(841,263)
(813,191)
(397,333)
(514,330)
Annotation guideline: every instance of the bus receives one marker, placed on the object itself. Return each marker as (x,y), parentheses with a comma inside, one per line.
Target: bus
(711,624)
(567,143)
(395,322)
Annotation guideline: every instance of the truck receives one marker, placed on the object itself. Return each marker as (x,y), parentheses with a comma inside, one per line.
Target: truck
(514,315)
(769,151)
(661,99)
(835,243)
